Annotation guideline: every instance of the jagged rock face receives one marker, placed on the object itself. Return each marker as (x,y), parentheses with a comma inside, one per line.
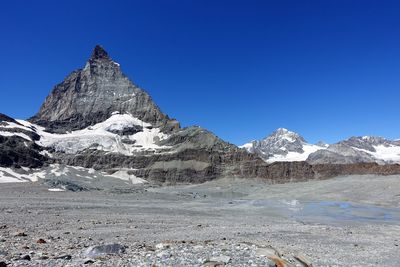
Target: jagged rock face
(91,95)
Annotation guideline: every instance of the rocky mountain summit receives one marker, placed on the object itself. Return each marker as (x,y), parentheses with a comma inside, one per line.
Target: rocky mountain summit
(282,145)
(91,95)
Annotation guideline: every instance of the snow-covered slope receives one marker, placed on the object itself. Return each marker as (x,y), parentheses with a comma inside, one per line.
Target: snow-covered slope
(282,145)
(121,133)
(61,177)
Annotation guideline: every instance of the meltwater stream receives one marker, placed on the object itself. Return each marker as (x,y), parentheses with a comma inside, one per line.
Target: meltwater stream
(326,211)
(345,211)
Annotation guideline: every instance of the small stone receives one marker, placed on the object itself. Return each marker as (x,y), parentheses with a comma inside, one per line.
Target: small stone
(64,257)
(41,241)
(25,257)
(213,264)
(3,226)
(266,252)
(222,258)
(163,255)
(89,261)
(3,264)
(20,234)
(304,260)
(278,261)
(96,251)
(161,246)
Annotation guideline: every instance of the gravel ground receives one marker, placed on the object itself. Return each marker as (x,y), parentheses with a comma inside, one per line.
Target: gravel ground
(347,221)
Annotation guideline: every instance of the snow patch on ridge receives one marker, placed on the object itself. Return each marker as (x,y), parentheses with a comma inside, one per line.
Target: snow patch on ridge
(15,134)
(247,146)
(295,156)
(124,175)
(388,154)
(8,175)
(65,172)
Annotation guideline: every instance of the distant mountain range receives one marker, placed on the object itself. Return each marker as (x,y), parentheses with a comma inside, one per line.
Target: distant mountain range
(98,123)
(284,145)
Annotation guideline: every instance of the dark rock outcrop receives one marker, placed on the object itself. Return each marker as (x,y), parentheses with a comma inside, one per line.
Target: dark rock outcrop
(16,152)
(324,171)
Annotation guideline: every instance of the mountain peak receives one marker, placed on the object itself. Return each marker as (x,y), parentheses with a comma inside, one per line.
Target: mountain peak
(99,53)
(283,133)
(91,95)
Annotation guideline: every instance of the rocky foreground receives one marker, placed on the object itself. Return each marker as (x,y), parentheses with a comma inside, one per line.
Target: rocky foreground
(181,253)
(222,223)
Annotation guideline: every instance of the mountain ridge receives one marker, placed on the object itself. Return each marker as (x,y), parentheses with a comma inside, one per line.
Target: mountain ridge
(97,119)
(284,145)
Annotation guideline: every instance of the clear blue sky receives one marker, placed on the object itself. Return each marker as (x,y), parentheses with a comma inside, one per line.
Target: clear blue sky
(325,69)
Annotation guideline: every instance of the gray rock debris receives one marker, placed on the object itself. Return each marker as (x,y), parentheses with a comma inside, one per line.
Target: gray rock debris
(101,250)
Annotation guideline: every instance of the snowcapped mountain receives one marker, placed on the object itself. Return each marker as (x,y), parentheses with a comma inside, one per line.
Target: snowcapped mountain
(93,94)
(98,119)
(98,125)
(282,145)
(359,149)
